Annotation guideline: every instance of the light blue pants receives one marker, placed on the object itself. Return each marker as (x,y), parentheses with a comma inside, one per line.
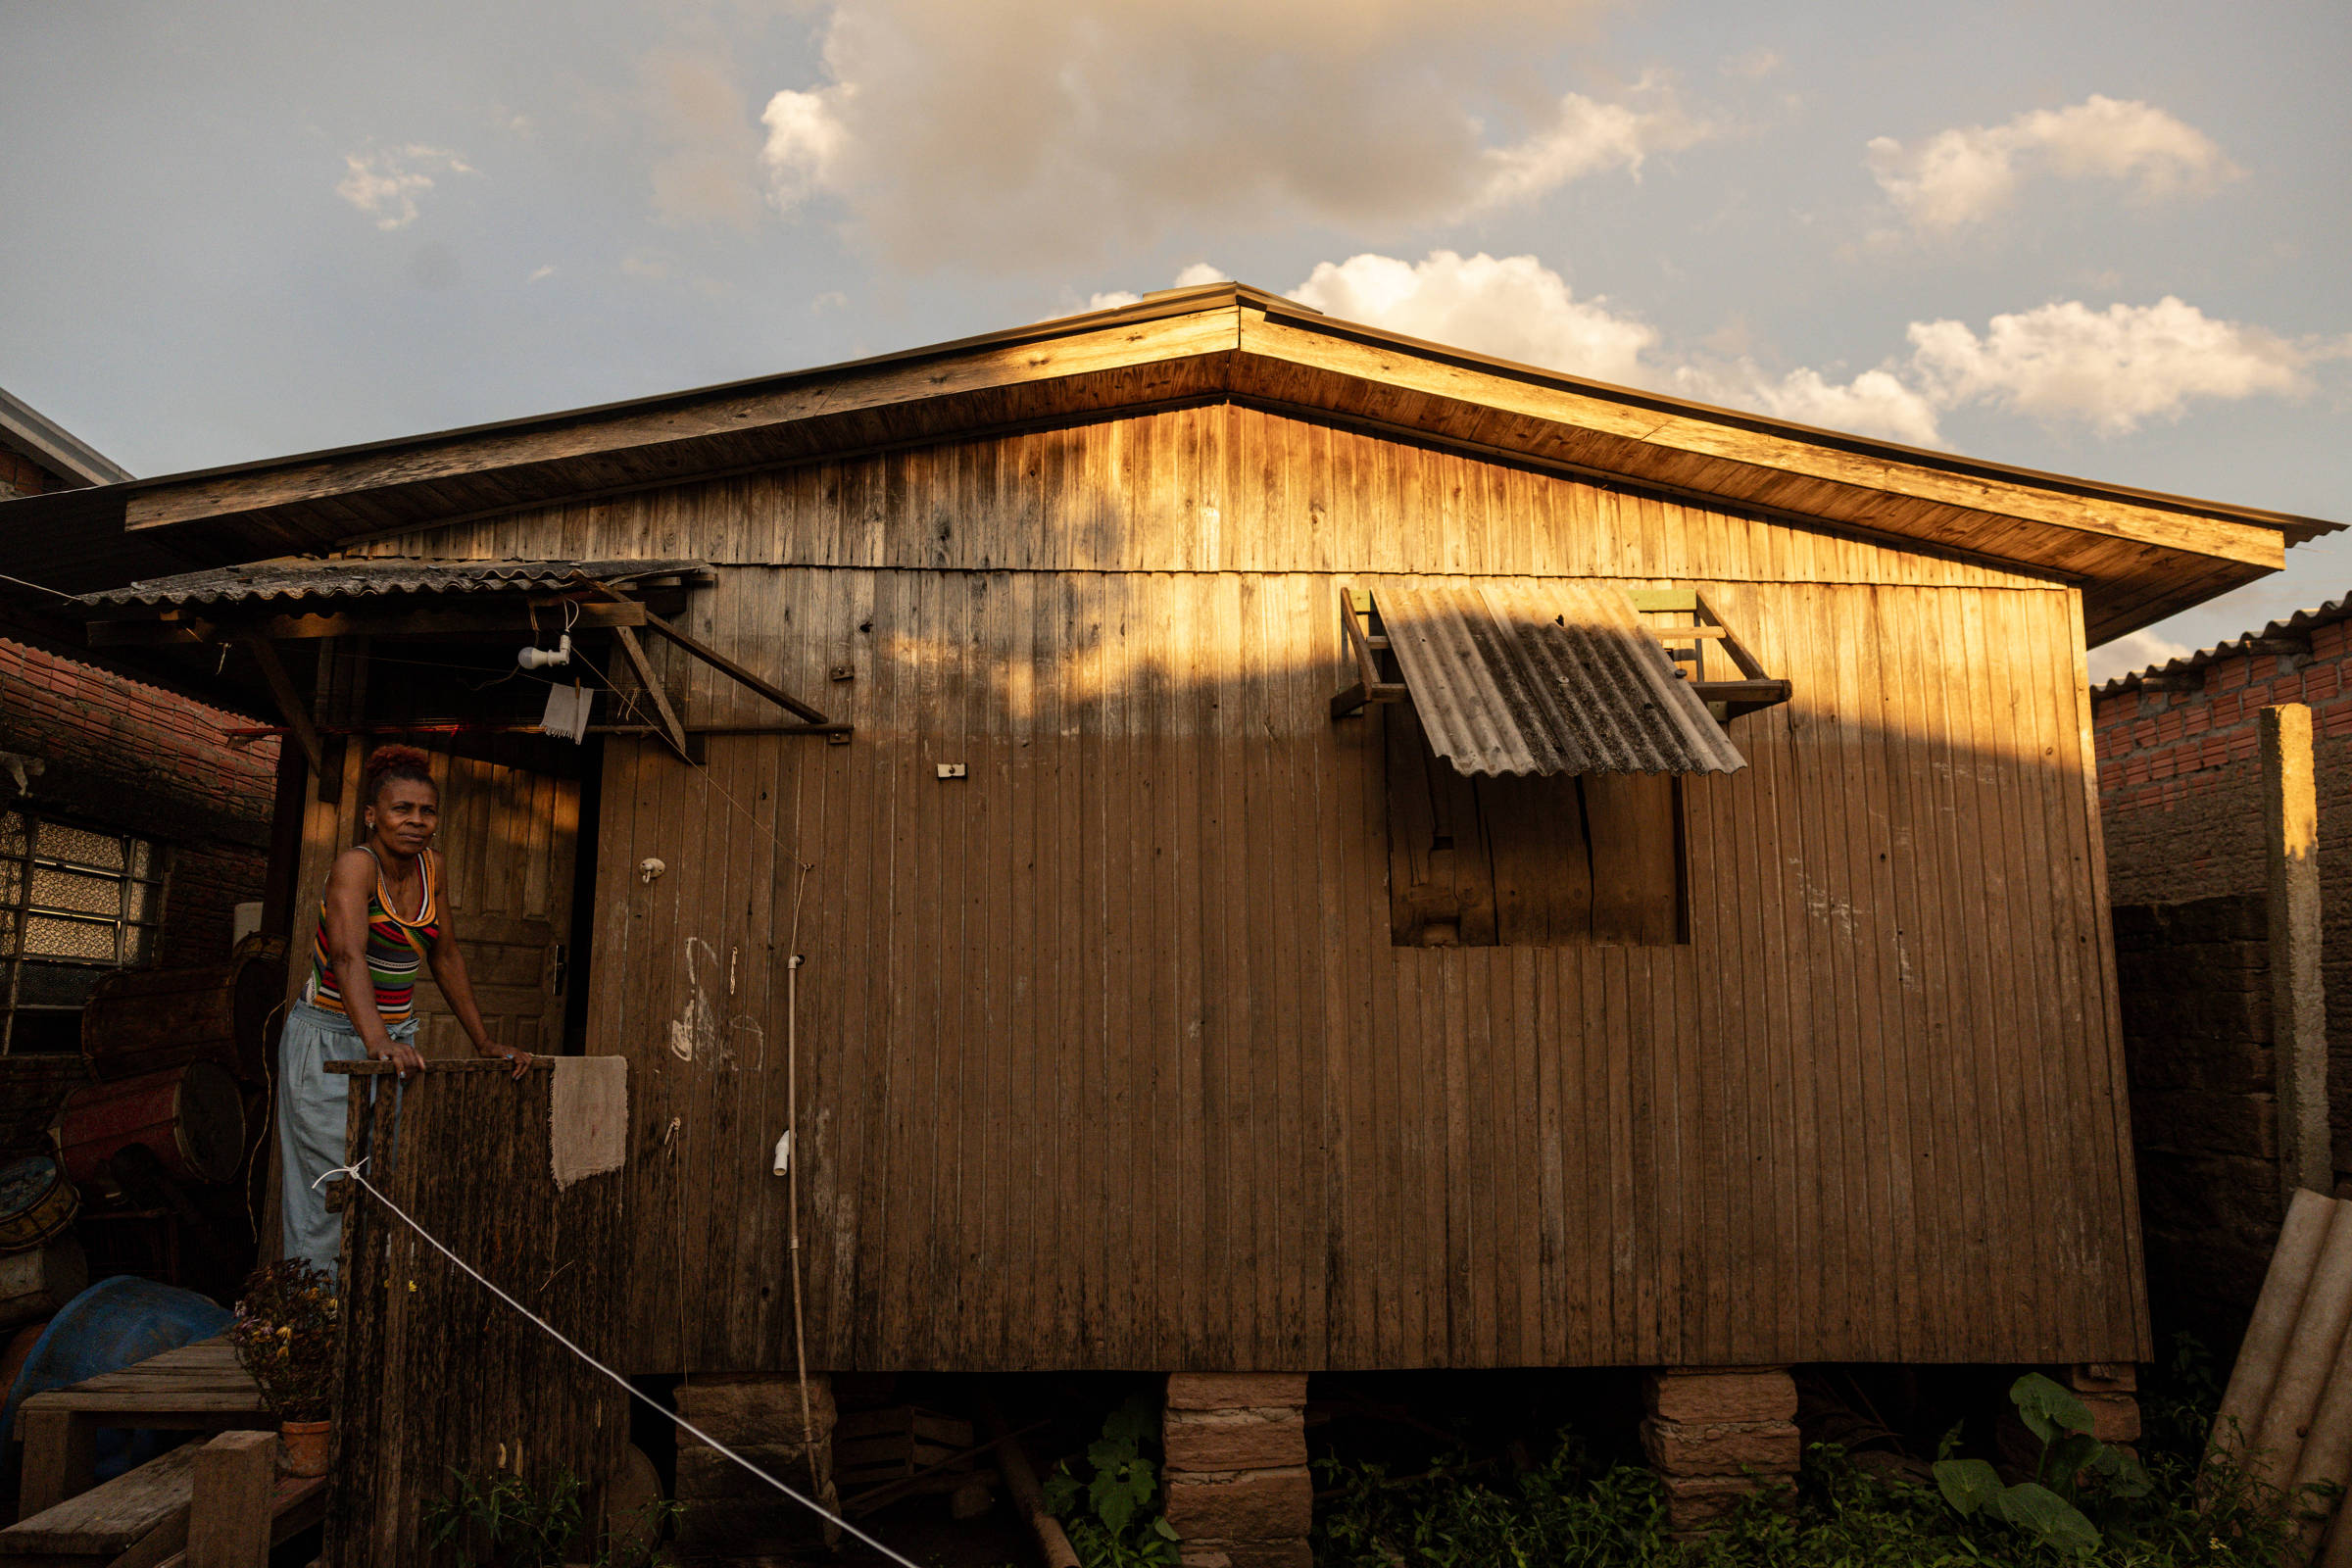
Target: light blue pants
(312,1120)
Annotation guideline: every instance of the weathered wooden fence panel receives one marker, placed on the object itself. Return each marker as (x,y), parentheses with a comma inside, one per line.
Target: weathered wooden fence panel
(438,1376)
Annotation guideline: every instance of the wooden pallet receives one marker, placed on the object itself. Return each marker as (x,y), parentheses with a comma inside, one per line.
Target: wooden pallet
(871,1448)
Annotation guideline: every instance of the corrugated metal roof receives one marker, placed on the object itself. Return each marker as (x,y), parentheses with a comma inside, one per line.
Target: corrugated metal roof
(1557,677)
(363,579)
(2300,624)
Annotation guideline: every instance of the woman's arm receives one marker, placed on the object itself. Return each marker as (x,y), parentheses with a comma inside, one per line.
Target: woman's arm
(457,989)
(349,886)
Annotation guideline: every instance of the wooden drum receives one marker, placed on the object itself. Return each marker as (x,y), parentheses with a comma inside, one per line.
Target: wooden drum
(140,1021)
(36,1202)
(192,1118)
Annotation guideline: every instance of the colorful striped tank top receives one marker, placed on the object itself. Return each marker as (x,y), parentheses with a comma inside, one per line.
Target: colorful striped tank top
(396,949)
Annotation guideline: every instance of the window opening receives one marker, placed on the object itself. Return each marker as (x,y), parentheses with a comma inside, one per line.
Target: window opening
(76,903)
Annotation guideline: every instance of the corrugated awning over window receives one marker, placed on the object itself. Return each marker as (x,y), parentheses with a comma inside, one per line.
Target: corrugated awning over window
(1552,677)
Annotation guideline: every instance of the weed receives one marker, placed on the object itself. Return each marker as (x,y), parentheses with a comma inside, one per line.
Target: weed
(1110,1516)
(1567,1513)
(517,1526)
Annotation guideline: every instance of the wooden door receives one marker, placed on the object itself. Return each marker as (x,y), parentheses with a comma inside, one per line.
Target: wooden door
(506,841)
(510,830)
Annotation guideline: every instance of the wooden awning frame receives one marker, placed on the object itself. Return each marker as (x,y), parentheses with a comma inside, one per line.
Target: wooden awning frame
(1378,681)
(593,606)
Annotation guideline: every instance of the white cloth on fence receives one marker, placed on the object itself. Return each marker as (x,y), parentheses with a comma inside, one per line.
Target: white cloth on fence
(588,1116)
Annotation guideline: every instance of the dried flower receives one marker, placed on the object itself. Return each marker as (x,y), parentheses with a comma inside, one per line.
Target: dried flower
(284,1333)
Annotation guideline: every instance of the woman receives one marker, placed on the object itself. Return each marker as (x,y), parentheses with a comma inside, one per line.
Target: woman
(384,920)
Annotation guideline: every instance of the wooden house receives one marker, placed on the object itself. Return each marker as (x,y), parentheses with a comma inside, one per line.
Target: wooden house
(1311,850)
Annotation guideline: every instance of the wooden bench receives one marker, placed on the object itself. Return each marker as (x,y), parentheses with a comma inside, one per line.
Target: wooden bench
(217,1505)
(197,1387)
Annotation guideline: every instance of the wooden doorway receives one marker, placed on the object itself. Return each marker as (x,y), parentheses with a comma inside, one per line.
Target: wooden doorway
(508,845)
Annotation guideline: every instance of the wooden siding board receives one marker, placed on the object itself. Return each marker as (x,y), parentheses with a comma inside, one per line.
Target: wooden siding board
(2079,767)
(1370,1155)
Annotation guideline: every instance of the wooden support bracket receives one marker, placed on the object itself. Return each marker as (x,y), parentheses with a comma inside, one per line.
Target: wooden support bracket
(672,729)
(290,705)
(1365,644)
(1754,689)
(813,721)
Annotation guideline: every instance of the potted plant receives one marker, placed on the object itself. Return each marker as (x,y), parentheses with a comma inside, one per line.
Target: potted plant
(285,1334)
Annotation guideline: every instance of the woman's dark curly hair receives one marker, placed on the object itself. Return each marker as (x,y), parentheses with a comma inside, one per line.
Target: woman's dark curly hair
(389,764)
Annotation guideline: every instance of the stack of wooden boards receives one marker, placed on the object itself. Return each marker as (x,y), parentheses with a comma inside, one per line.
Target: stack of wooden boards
(903,1450)
(2286,1417)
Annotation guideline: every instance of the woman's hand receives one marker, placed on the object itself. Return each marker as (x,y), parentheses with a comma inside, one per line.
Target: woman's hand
(401,1054)
(519,1060)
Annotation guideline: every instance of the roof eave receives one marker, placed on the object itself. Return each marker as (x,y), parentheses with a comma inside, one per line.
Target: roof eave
(1221,340)
(56,448)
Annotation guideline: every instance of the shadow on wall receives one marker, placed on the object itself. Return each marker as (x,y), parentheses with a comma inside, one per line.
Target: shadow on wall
(2197,1042)
(1108,1041)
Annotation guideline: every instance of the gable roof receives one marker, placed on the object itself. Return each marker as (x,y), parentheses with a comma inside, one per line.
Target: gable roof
(54,447)
(2138,555)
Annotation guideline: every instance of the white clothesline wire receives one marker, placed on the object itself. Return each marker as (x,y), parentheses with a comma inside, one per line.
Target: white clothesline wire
(683,1425)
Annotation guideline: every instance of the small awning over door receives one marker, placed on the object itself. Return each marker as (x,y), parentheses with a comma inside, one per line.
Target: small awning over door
(1558,677)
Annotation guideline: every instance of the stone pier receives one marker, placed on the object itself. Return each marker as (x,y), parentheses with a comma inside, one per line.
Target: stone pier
(1716,1434)
(1237,1483)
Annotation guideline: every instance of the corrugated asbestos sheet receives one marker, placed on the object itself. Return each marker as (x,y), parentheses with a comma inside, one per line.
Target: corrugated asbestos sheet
(1557,677)
(361,579)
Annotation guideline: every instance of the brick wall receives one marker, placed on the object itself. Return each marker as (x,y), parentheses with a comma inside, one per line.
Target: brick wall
(19,475)
(2197,1005)
(2179,793)
(127,757)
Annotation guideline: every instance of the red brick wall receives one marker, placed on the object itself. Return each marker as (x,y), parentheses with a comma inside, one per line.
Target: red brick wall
(2180,792)
(19,475)
(123,755)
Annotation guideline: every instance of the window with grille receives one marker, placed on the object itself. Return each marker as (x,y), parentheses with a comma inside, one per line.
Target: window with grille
(75,902)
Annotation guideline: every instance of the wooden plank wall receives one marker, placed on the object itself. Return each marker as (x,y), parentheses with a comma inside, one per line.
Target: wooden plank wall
(436,1375)
(1108,1058)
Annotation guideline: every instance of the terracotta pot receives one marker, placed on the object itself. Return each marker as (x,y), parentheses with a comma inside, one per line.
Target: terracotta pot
(302,1446)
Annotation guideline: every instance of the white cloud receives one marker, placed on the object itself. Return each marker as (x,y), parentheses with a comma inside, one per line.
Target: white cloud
(2112,369)
(541,274)
(1967,174)
(1201,274)
(2130,654)
(1874,403)
(807,142)
(1584,138)
(385,182)
(1511,307)
(1048,129)
(1755,65)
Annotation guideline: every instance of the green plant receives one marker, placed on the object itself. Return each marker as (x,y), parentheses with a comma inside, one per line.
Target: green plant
(2073,1468)
(1118,1527)
(520,1527)
(1567,1512)
(285,1333)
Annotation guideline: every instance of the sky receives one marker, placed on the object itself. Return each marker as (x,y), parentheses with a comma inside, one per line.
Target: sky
(2102,239)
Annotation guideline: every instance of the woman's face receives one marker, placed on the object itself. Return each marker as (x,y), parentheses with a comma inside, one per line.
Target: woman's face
(404,814)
